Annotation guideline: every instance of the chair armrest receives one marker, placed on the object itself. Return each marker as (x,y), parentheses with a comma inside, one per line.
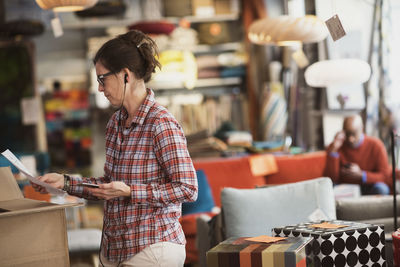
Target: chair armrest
(209,234)
(365,208)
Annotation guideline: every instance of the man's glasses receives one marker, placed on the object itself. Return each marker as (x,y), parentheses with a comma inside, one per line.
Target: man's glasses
(100,78)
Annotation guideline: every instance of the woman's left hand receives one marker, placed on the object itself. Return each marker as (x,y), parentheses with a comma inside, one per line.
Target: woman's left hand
(111,190)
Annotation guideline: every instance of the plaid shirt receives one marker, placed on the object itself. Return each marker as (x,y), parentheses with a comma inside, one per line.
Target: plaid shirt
(152,158)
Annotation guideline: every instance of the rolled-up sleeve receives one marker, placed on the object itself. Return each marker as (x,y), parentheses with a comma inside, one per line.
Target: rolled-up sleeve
(171,151)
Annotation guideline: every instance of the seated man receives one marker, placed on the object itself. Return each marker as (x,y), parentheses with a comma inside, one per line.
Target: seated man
(358,159)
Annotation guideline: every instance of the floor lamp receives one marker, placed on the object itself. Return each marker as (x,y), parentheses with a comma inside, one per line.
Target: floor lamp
(393,136)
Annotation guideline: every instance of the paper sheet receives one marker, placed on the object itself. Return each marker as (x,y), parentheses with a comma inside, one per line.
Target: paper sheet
(327,225)
(18,164)
(30,110)
(266,239)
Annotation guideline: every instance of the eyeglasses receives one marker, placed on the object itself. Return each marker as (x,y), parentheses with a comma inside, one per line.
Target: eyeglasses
(100,78)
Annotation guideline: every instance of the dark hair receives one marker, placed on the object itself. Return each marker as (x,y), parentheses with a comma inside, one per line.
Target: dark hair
(133,50)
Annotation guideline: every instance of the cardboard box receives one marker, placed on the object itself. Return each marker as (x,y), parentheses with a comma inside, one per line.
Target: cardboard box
(32,233)
(290,252)
(177,8)
(357,244)
(203,8)
(223,7)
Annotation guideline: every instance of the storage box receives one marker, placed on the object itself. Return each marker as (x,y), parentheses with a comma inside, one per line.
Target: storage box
(203,8)
(357,244)
(32,233)
(223,7)
(177,8)
(241,252)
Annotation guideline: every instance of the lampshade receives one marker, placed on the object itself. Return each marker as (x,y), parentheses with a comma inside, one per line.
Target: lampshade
(285,30)
(337,72)
(66,5)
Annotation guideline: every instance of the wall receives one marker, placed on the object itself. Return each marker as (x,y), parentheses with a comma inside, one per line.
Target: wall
(356,17)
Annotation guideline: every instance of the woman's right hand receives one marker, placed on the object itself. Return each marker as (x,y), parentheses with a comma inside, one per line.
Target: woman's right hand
(54,179)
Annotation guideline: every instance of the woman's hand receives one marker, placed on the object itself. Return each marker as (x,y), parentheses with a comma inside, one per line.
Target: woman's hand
(111,190)
(54,179)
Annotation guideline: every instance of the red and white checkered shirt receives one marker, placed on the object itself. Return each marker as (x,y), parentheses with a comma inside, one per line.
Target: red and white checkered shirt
(151,156)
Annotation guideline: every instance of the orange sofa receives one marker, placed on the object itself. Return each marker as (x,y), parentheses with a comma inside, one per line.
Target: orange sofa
(239,172)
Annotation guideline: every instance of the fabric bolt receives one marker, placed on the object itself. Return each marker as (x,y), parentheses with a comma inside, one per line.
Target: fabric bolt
(207,61)
(151,156)
(241,252)
(150,27)
(209,73)
(370,155)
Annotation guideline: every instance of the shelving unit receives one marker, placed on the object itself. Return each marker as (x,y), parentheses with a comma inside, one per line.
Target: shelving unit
(201,48)
(222,88)
(201,83)
(100,23)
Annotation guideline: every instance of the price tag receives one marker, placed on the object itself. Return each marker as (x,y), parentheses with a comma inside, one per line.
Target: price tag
(335,28)
(57,28)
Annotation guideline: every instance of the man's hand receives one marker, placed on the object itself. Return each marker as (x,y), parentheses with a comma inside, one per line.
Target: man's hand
(111,190)
(54,179)
(338,141)
(351,173)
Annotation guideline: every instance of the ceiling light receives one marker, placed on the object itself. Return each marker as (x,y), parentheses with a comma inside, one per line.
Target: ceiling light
(287,31)
(334,72)
(66,5)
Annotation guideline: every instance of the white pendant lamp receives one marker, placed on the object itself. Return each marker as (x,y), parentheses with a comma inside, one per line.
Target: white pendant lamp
(66,5)
(335,72)
(285,30)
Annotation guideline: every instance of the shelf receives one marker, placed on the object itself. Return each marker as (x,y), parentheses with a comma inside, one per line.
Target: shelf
(212,86)
(201,83)
(206,91)
(100,22)
(215,18)
(198,49)
(334,112)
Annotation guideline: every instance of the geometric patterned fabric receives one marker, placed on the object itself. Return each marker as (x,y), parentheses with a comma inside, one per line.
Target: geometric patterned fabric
(357,244)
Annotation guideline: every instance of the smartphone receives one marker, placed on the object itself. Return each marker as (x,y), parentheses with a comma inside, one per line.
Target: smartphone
(90,185)
(347,165)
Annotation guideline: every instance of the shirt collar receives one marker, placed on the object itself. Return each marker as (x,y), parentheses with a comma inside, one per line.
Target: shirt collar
(360,142)
(144,108)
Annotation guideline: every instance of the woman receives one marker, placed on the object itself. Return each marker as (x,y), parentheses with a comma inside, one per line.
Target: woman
(148,171)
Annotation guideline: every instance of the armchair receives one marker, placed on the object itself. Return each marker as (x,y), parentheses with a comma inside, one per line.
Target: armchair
(252,212)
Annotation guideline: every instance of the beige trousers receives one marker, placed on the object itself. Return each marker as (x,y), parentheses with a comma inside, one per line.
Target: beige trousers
(162,254)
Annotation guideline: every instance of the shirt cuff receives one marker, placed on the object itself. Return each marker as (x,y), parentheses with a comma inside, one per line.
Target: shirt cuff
(334,154)
(74,186)
(364,177)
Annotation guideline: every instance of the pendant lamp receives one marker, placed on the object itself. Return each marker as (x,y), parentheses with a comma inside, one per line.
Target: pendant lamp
(286,30)
(336,72)
(66,5)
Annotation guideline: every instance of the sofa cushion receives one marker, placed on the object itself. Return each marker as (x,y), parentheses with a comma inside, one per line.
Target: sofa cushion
(294,168)
(366,207)
(228,172)
(205,201)
(252,212)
